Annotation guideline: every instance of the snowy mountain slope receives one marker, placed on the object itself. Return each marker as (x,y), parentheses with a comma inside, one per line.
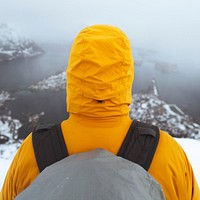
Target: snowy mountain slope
(13,45)
(56,82)
(9,127)
(8,130)
(168,117)
(4,96)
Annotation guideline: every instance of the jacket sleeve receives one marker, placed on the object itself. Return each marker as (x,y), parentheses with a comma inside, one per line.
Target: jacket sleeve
(9,187)
(22,172)
(195,192)
(172,169)
(191,189)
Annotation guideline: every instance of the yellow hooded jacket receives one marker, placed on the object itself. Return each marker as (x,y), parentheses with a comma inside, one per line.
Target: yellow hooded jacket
(99,84)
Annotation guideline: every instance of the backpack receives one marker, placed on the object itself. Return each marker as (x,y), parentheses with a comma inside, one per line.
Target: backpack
(93,175)
(98,174)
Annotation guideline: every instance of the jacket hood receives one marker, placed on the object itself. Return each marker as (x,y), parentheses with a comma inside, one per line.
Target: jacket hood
(100,73)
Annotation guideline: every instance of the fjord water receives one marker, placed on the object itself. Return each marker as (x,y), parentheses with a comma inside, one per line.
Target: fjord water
(21,73)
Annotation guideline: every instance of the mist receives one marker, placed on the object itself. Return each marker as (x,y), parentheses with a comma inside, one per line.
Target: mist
(165,32)
(169,27)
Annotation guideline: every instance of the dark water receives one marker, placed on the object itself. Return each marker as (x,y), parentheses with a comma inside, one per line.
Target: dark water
(51,103)
(21,73)
(17,75)
(181,88)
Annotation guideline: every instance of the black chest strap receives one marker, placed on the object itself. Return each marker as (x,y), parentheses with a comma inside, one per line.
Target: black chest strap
(139,144)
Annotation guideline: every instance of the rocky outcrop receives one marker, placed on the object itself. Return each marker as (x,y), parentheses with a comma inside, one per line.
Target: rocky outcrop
(168,117)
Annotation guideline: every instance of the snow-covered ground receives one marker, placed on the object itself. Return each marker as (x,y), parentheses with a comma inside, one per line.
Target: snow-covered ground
(4,165)
(191,147)
(8,126)
(4,96)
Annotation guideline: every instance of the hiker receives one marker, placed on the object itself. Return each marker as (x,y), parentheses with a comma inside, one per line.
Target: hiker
(99,91)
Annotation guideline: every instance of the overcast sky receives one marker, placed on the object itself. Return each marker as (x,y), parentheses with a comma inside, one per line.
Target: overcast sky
(168,25)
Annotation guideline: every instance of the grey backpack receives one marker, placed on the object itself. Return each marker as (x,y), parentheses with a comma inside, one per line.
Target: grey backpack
(93,175)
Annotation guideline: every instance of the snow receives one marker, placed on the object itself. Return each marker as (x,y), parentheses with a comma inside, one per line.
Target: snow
(56,82)
(4,96)
(9,127)
(155,90)
(8,150)
(4,165)
(151,109)
(15,45)
(34,118)
(168,109)
(191,147)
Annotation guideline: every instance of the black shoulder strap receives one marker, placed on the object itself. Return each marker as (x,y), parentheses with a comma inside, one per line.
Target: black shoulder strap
(140,144)
(49,145)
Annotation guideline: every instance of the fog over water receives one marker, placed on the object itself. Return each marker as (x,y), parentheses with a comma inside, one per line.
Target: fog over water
(169,29)
(172,27)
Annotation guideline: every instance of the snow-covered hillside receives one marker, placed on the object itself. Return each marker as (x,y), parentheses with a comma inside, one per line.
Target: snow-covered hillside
(14,45)
(8,130)
(56,82)
(149,108)
(4,96)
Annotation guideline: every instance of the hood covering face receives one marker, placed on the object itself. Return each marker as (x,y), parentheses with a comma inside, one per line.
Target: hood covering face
(100,73)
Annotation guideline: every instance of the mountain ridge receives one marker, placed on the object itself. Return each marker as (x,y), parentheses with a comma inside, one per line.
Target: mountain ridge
(14,45)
